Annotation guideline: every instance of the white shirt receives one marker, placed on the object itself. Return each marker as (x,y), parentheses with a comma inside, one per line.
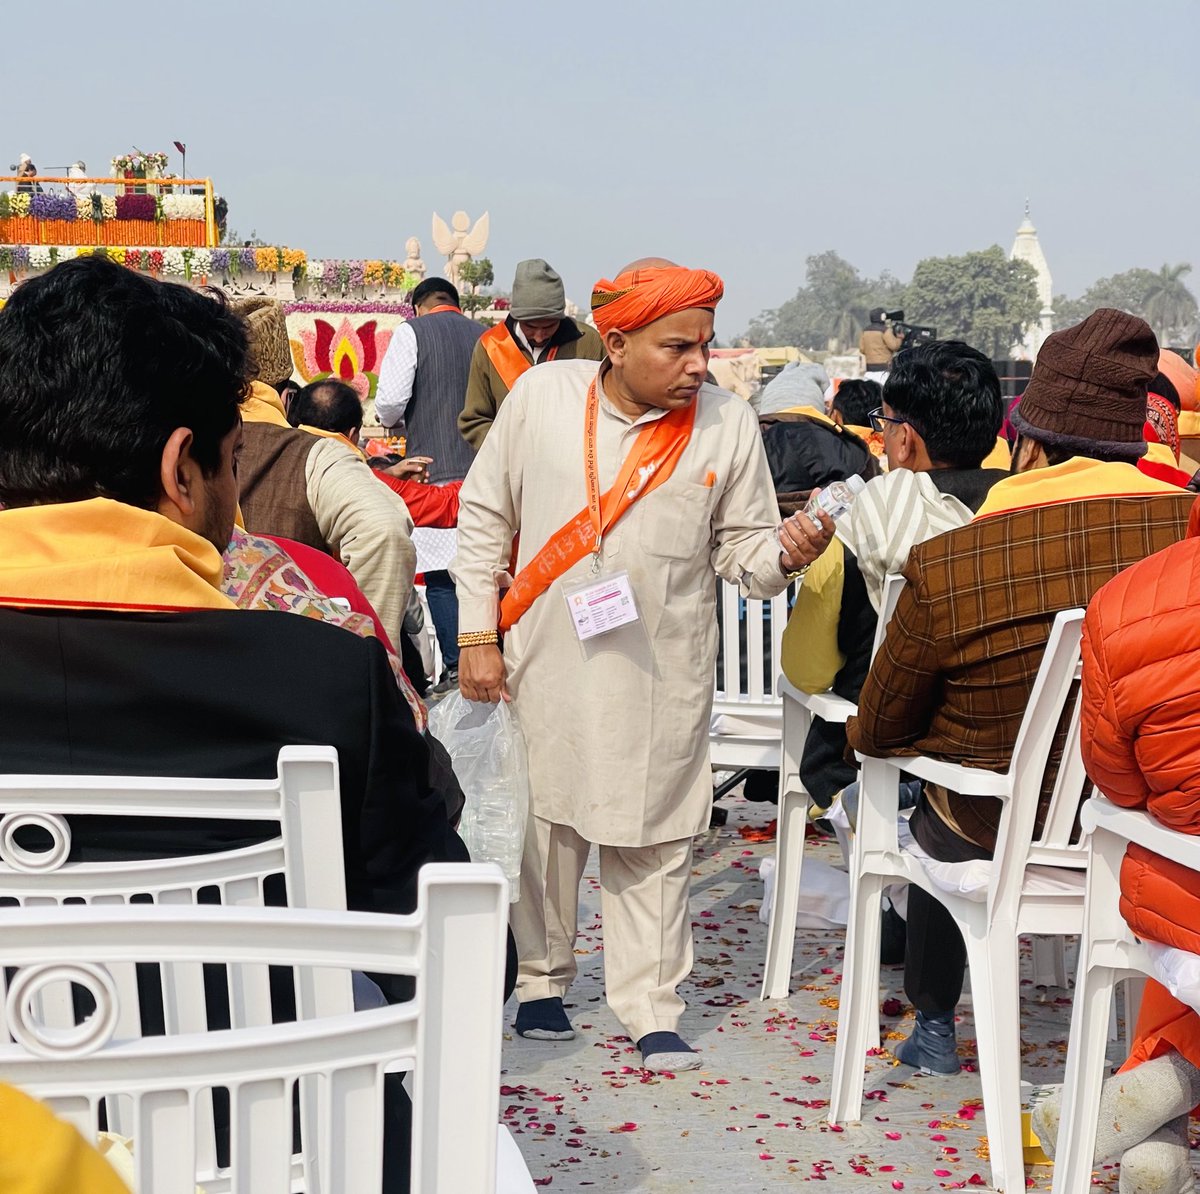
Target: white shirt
(396,376)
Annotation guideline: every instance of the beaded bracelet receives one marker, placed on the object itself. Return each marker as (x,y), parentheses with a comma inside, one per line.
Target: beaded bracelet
(478,638)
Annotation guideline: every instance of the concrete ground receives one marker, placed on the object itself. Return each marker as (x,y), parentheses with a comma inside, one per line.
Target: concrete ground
(586,1117)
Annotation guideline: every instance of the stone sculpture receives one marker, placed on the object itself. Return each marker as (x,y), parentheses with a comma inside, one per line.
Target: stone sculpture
(460,242)
(413,264)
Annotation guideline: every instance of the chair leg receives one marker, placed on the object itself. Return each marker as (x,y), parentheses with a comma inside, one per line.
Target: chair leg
(1049,962)
(1086,1071)
(1133,988)
(995,994)
(858,1008)
(789,858)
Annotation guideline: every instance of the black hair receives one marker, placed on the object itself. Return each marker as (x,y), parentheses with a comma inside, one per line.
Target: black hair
(876,314)
(99,366)
(856,398)
(435,288)
(950,394)
(1164,387)
(329,404)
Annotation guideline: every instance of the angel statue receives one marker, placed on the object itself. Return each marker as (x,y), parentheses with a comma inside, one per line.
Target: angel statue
(457,243)
(413,265)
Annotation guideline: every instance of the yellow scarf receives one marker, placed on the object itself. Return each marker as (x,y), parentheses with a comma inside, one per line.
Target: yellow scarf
(263,405)
(1074,480)
(101,554)
(337,435)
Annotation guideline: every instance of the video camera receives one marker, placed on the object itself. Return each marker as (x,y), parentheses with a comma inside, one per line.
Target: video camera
(910,333)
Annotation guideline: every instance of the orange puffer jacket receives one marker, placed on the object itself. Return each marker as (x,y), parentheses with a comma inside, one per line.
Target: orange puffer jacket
(1141,726)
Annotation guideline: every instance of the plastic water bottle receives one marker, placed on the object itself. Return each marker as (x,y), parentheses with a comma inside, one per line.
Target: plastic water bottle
(835,499)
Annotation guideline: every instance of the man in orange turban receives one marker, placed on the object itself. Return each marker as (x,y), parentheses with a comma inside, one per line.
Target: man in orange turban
(632,486)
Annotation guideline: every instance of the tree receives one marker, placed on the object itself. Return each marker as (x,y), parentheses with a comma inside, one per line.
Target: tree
(1170,305)
(477,274)
(832,305)
(1161,299)
(983,298)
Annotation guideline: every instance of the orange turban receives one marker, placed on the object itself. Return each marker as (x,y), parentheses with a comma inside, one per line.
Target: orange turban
(638,297)
(1182,376)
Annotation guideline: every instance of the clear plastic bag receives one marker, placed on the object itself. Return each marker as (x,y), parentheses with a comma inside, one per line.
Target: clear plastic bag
(485,745)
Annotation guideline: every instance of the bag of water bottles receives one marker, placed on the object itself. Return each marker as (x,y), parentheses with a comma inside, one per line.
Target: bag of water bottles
(485,745)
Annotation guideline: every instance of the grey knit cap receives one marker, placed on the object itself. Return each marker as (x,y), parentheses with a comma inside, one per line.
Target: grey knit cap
(538,292)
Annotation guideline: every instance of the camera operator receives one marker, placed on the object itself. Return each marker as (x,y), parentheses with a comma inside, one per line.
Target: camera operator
(880,341)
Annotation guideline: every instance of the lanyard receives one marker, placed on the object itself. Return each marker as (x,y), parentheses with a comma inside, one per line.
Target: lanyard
(645,445)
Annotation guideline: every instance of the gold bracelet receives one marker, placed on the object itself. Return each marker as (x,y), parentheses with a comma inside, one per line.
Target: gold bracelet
(479,638)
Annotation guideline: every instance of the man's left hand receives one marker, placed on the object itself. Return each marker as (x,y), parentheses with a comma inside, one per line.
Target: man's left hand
(801,541)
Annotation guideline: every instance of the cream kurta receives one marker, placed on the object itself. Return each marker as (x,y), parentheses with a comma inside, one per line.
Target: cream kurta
(617,733)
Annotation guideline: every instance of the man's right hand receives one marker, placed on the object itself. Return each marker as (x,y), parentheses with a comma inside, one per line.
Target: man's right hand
(481,674)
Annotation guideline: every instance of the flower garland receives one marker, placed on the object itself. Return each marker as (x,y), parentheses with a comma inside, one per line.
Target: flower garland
(139,161)
(340,276)
(354,274)
(349,307)
(58,206)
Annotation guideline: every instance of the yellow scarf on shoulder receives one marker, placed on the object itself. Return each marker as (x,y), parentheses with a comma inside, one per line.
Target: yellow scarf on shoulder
(1074,480)
(263,405)
(335,435)
(101,554)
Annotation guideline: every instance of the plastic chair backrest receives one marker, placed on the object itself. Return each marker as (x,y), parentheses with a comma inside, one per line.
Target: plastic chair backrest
(1055,692)
(304,800)
(893,586)
(751,643)
(449,1035)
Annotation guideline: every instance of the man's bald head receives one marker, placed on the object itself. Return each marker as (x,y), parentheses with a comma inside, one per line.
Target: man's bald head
(647,263)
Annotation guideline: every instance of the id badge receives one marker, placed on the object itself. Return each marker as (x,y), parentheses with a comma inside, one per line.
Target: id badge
(601,604)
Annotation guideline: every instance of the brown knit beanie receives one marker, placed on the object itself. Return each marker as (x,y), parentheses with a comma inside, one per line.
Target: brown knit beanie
(266,326)
(1088,389)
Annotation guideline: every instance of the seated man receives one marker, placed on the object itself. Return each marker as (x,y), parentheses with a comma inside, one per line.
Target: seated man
(963,649)
(1140,713)
(941,413)
(119,436)
(315,490)
(333,409)
(853,402)
(806,449)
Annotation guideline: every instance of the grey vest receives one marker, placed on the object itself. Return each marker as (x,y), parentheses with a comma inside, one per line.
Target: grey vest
(445,341)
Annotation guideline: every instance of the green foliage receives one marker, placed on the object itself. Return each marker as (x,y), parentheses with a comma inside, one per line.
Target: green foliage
(983,298)
(1162,299)
(477,274)
(4,207)
(832,305)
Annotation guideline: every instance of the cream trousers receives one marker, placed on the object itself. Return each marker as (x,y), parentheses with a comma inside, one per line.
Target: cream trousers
(644,908)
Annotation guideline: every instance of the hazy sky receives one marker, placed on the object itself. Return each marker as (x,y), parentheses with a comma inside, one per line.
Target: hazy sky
(741,135)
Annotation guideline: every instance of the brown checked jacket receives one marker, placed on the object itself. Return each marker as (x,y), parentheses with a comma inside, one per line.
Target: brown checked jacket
(956,670)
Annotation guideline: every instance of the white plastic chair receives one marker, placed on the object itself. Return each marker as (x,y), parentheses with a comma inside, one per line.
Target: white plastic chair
(799,709)
(304,799)
(449,1035)
(747,716)
(1108,954)
(1034,885)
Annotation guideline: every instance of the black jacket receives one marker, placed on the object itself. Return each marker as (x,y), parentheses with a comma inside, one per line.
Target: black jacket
(806,454)
(215,693)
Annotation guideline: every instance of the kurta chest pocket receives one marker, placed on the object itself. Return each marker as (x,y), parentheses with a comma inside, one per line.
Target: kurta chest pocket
(676,521)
